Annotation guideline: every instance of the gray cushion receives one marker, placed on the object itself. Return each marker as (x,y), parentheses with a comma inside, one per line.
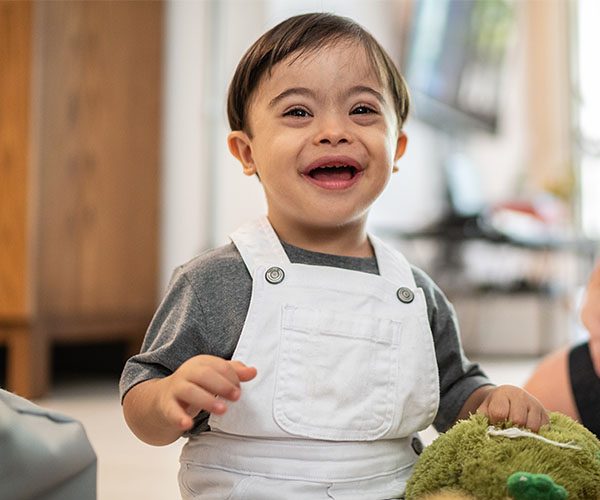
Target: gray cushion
(43,454)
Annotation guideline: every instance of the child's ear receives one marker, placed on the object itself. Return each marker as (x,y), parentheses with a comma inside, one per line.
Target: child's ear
(400,149)
(240,147)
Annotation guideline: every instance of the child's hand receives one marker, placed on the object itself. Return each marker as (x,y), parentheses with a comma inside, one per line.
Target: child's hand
(196,383)
(507,402)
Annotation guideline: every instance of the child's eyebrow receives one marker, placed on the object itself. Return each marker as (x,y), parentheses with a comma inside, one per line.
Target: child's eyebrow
(359,89)
(303,91)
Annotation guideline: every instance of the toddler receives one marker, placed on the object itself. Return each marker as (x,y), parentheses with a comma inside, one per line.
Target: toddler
(302,358)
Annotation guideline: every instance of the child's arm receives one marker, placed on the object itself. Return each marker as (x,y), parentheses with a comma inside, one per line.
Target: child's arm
(506,402)
(159,410)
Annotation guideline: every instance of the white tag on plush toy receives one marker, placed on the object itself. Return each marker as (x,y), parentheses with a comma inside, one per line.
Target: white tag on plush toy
(515,432)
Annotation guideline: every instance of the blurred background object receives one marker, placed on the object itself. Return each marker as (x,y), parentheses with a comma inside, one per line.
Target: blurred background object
(45,455)
(506,243)
(80,93)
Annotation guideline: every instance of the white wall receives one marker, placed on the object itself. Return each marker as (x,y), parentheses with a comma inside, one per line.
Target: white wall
(186,178)
(237,198)
(204,194)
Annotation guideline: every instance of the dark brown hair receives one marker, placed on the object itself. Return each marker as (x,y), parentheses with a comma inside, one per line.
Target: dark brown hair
(298,35)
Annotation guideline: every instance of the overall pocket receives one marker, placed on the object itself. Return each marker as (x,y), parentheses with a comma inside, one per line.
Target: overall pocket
(208,483)
(336,374)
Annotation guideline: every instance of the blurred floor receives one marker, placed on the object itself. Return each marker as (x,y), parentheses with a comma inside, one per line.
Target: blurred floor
(129,470)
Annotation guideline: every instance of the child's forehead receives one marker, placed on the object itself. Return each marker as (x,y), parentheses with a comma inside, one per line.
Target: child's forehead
(348,59)
(349,52)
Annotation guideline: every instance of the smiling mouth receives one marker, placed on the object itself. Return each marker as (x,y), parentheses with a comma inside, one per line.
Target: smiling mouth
(337,177)
(333,173)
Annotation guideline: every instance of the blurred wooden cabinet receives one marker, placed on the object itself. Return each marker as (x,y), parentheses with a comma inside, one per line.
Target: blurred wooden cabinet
(80,86)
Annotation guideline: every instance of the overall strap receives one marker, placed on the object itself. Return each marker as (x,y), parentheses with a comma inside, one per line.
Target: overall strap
(393,266)
(259,245)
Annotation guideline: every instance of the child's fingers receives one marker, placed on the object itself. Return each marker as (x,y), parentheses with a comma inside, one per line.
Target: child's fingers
(176,414)
(520,416)
(196,385)
(208,382)
(534,422)
(536,414)
(514,404)
(244,373)
(496,409)
(536,419)
(216,375)
(187,400)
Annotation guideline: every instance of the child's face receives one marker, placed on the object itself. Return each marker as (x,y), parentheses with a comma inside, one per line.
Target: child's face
(324,138)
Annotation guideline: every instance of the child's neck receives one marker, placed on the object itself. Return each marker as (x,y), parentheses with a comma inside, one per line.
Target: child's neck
(349,241)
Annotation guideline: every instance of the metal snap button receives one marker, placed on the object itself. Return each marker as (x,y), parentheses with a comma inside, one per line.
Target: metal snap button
(274,275)
(405,295)
(417,446)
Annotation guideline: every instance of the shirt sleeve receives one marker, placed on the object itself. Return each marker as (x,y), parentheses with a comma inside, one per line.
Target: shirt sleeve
(175,333)
(458,376)
(202,312)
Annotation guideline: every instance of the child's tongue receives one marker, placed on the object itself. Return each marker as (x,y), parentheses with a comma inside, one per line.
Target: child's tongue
(332,173)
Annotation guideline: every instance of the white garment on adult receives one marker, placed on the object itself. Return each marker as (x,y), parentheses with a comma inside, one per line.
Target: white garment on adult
(347,375)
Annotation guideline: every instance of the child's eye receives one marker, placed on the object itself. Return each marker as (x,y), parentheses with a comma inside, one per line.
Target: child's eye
(297,112)
(362,110)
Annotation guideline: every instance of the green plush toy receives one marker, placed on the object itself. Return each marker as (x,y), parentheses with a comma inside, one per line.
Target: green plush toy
(473,458)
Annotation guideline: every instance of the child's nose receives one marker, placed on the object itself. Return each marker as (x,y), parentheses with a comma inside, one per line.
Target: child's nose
(332,131)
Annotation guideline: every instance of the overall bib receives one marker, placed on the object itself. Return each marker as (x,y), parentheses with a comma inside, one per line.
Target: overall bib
(347,375)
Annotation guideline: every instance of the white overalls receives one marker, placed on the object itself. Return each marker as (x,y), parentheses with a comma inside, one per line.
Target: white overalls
(347,375)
